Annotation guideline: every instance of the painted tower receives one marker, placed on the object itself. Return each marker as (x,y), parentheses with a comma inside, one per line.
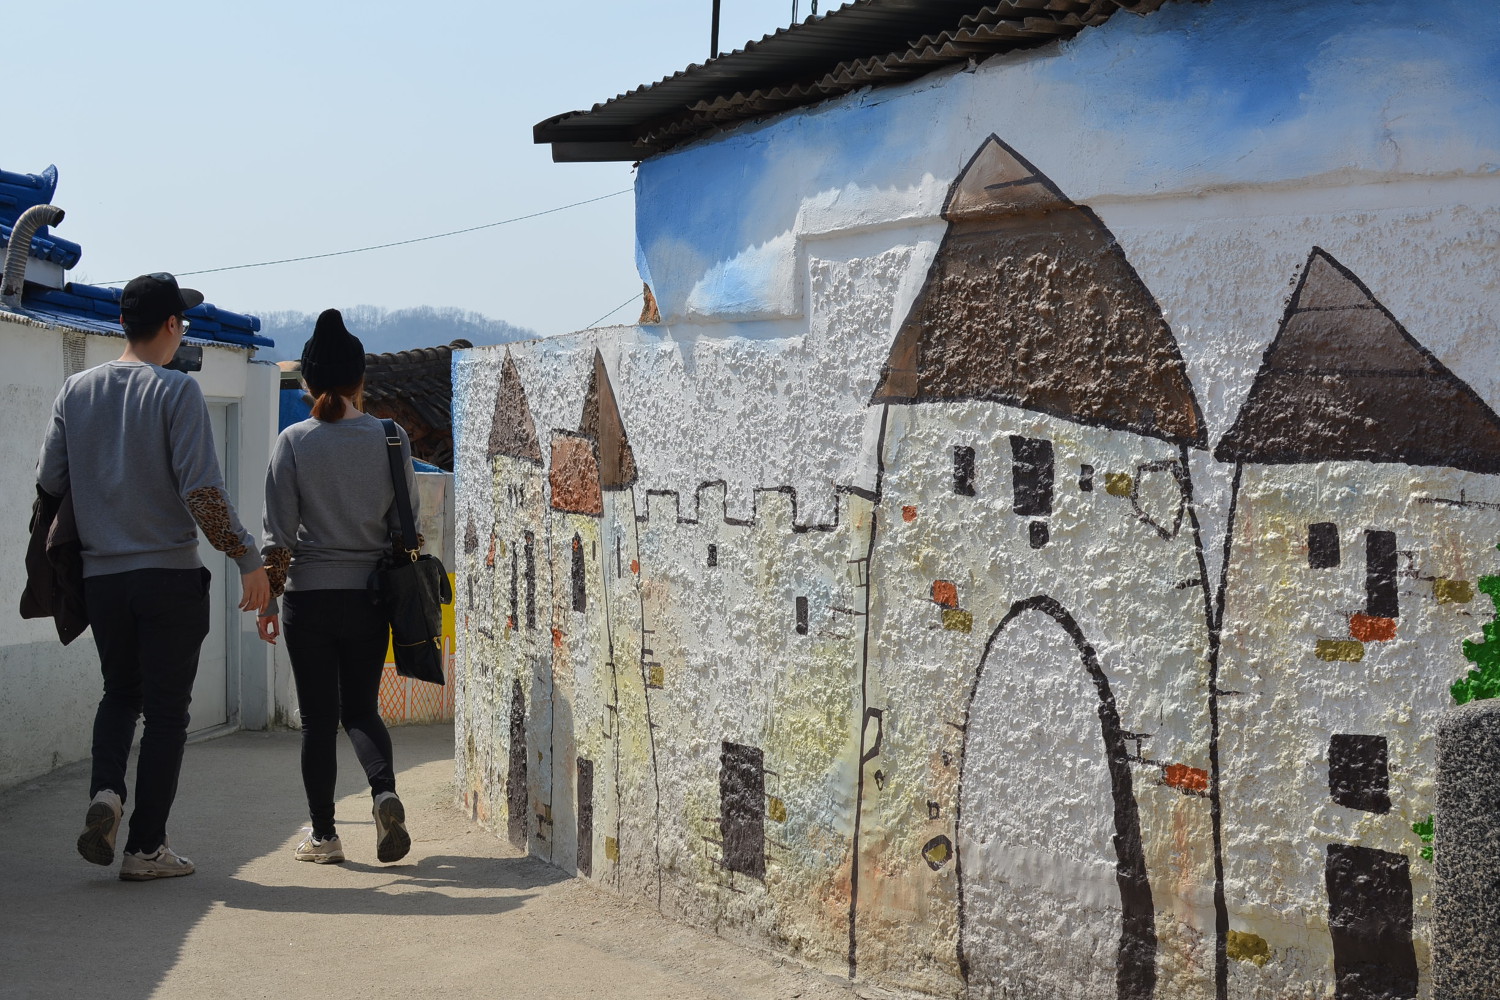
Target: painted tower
(1364,508)
(1036,552)
(517,703)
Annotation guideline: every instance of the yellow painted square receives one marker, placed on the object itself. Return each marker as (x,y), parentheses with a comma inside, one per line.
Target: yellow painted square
(1340,650)
(658,675)
(955,620)
(611,848)
(1118,484)
(776,809)
(1453,591)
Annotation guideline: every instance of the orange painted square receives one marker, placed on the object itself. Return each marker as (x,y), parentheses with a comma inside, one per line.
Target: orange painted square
(945,593)
(557,638)
(635,565)
(1370,628)
(908,513)
(1188,779)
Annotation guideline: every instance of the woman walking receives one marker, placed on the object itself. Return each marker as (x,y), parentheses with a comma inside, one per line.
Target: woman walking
(330,516)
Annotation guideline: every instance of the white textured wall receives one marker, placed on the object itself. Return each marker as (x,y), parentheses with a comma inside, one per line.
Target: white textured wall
(942,808)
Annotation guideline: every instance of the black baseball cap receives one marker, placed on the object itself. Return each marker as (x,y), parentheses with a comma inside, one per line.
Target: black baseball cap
(149,300)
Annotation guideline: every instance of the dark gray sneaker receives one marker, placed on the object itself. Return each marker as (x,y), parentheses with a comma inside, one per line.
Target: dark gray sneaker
(97,841)
(391,839)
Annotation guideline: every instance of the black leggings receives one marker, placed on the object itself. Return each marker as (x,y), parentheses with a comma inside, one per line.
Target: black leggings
(337,642)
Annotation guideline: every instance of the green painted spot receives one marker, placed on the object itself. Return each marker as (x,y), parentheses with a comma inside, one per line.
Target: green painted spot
(955,620)
(1453,591)
(1340,650)
(1484,680)
(1246,947)
(1427,830)
(1118,484)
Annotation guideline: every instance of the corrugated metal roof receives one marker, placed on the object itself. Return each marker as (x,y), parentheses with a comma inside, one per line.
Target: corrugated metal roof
(862,43)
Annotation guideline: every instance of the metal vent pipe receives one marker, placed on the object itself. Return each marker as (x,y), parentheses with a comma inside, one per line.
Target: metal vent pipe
(19,250)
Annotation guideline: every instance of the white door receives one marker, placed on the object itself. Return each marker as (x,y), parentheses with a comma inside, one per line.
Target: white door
(211,690)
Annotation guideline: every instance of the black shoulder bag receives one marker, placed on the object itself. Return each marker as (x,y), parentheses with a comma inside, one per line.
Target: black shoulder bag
(409,587)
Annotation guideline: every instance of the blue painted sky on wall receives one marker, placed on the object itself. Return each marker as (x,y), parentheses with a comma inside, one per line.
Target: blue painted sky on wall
(1192,96)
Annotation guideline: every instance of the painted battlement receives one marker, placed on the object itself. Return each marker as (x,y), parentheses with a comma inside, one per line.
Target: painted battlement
(790,492)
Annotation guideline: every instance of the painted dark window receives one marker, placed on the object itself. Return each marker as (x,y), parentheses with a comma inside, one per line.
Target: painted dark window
(515,594)
(1380,574)
(1039,534)
(713,555)
(530,580)
(801,616)
(516,794)
(1323,545)
(1359,774)
(1369,918)
(742,793)
(963,471)
(619,557)
(1031,476)
(1085,479)
(585,817)
(580,592)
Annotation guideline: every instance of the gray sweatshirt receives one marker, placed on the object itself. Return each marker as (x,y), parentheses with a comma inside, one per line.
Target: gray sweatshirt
(134,443)
(330,506)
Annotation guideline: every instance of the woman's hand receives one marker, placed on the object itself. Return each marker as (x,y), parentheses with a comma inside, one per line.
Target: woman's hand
(269,627)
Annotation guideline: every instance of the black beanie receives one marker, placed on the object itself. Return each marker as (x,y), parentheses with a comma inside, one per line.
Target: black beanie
(333,357)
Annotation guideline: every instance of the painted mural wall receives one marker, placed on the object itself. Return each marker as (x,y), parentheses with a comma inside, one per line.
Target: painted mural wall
(1031,553)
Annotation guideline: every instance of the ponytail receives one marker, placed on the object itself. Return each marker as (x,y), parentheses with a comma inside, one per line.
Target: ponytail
(329,405)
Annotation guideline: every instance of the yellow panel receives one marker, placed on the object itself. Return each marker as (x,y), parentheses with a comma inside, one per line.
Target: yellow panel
(1453,591)
(955,620)
(1343,650)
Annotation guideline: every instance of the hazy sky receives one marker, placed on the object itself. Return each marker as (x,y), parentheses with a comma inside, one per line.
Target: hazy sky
(194,135)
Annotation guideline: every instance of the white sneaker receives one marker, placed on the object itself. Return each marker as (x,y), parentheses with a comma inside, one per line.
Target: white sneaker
(321,852)
(97,841)
(163,862)
(391,839)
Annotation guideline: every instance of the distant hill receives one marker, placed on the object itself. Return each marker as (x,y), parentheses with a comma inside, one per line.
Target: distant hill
(383,330)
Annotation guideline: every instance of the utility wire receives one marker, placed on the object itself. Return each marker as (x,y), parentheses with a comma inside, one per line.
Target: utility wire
(398,243)
(616,309)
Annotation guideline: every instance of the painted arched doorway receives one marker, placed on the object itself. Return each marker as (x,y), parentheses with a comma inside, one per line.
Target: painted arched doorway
(1051,868)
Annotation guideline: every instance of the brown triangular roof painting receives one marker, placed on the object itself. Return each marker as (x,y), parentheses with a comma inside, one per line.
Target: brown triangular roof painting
(601,421)
(1031,302)
(513,432)
(1344,381)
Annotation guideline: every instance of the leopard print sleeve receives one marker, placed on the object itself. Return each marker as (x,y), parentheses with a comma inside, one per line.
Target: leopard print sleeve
(278,559)
(210,508)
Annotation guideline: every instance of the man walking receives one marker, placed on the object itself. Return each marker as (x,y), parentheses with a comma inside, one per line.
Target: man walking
(133,443)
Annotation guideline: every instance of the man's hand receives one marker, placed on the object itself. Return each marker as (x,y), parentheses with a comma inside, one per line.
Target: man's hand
(255,590)
(269,626)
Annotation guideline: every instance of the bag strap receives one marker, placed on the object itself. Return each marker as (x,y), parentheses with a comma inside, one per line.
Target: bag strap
(398,480)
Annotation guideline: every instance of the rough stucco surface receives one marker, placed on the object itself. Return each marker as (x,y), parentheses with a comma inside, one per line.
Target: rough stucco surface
(1467,938)
(1019,691)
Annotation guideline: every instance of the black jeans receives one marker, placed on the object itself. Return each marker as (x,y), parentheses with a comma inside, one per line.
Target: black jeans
(148,626)
(337,641)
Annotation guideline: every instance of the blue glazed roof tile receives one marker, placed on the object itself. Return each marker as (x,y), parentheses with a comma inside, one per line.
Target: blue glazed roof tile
(97,307)
(18,192)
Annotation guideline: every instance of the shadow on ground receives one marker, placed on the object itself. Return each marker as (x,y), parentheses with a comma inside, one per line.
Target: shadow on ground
(71,929)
